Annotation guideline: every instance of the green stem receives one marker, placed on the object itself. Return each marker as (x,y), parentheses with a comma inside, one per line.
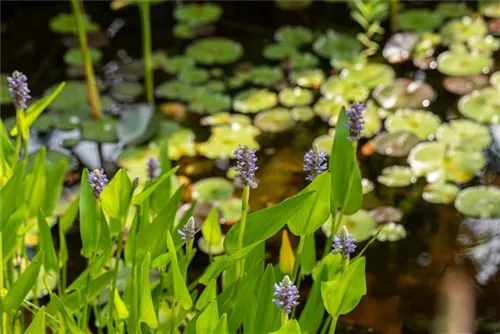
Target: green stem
(84,323)
(240,264)
(298,257)
(394,15)
(326,324)
(284,318)
(3,324)
(333,325)
(115,277)
(92,92)
(146,49)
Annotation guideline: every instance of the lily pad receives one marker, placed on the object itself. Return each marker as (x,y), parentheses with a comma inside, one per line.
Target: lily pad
(100,130)
(137,124)
(329,110)
(74,56)
(426,46)
(368,75)
(479,201)
(453,9)
(460,30)
(65,23)
(465,85)
(174,89)
(491,9)
(483,46)
(387,214)
(361,225)
(212,189)
(194,75)
(465,135)
(336,87)
(265,75)
(210,103)
(404,93)
(302,114)
(419,20)
(420,122)
(312,78)
(324,143)
(481,105)
(73,94)
(278,51)
(181,143)
(225,118)
(334,45)
(303,60)
(296,36)
(231,210)
(178,64)
(461,64)
(226,138)
(274,120)
(372,124)
(396,144)
(399,47)
(392,232)
(254,100)
(292,97)
(495,80)
(396,176)
(440,193)
(215,50)
(198,13)
(127,91)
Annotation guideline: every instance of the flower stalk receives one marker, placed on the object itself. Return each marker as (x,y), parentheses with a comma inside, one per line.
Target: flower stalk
(144,11)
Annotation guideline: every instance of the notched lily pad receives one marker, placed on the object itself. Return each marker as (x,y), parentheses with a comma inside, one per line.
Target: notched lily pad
(210,103)
(329,110)
(303,60)
(368,75)
(226,138)
(212,189)
(74,56)
(231,210)
(198,13)
(296,36)
(481,105)
(174,89)
(65,23)
(396,144)
(215,50)
(404,93)
(440,193)
(274,120)
(302,114)
(292,97)
(465,135)
(254,100)
(178,64)
(419,20)
(462,64)
(100,130)
(479,201)
(460,30)
(194,75)
(336,87)
(265,75)
(278,51)
(397,176)
(420,122)
(334,45)
(127,91)
(312,78)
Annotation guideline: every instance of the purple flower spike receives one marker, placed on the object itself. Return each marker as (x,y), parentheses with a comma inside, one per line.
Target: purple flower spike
(246,165)
(355,122)
(18,89)
(98,180)
(343,243)
(314,163)
(287,295)
(154,169)
(188,231)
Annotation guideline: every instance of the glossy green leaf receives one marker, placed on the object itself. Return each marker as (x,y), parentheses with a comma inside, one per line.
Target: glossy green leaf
(267,316)
(167,215)
(312,314)
(89,217)
(69,321)
(291,327)
(208,294)
(37,326)
(36,183)
(346,190)
(263,224)
(214,269)
(98,284)
(151,239)
(147,313)
(120,307)
(181,292)
(164,192)
(22,285)
(10,196)
(55,173)
(8,154)
(222,325)
(342,294)
(104,236)
(46,243)
(315,210)
(115,198)
(140,198)
(308,260)
(208,319)
(211,229)
(69,216)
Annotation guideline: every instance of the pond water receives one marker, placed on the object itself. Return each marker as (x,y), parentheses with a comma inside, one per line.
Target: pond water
(407,279)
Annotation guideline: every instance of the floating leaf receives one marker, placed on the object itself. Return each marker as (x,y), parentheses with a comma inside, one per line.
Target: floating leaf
(196,14)
(479,201)
(254,100)
(137,124)
(274,120)
(461,64)
(404,93)
(127,91)
(296,36)
(226,138)
(419,20)
(339,88)
(333,45)
(482,106)
(303,60)
(386,214)
(329,110)
(440,193)
(420,122)
(74,56)
(324,142)
(215,50)
(495,80)
(210,103)
(212,189)
(230,209)
(453,9)
(460,30)
(465,85)
(396,176)
(302,114)
(396,144)
(368,75)
(278,51)
(65,23)
(392,232)
(178,64)
(100,130)
(194,75)
(292,97)
(312,78)
(464,135)
(265,75)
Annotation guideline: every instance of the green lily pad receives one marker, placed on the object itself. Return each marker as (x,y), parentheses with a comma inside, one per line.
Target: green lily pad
(225,118)
(483,46)
(465,135)
(329,110)
(479,201)
(419,20)
(44,123)
(292,97)
(404,93)
(174,89)
(100,130)
(215,50)
(65,23)
(294,35)
(194,75)
(325,142)
(460,30)
(210,103)
(396,144)
(303,60)
(420,122)
(212,189)
(137,124)
(68,122)
(495,80)
(178,64)
(231,210)
(265,75)
(368,75)
(127,91)
(361,225)
(392,232)
(302,114)
(274,120)
(439,164)
(278,51)
(74,56)
(399,47)
(254,100)
(73,94)
(372,124)
(461,64)
(453,9)
(198,13)
(226,138)
(396,176)
(481,105)
(465,85)
(312,78)
(426,45)
(440,193)
(336,87)
(333,45)
(181,144)
(293,4)
(491,9)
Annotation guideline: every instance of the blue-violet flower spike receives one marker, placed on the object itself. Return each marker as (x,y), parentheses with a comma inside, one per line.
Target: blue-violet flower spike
(18,89)
(98,180)
(188,231)
(343,243)
(314,163)
(355,120)
(154,169)
(287,295)
(246,165)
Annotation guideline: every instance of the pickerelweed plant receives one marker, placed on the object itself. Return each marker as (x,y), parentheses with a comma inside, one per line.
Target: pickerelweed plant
(139,276)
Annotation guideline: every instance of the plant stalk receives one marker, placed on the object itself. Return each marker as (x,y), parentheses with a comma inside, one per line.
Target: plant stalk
(240,264)
(115,277)
(333,324)
(146,49)
(298,257)
(284,318)
(92,92)
(394,16)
